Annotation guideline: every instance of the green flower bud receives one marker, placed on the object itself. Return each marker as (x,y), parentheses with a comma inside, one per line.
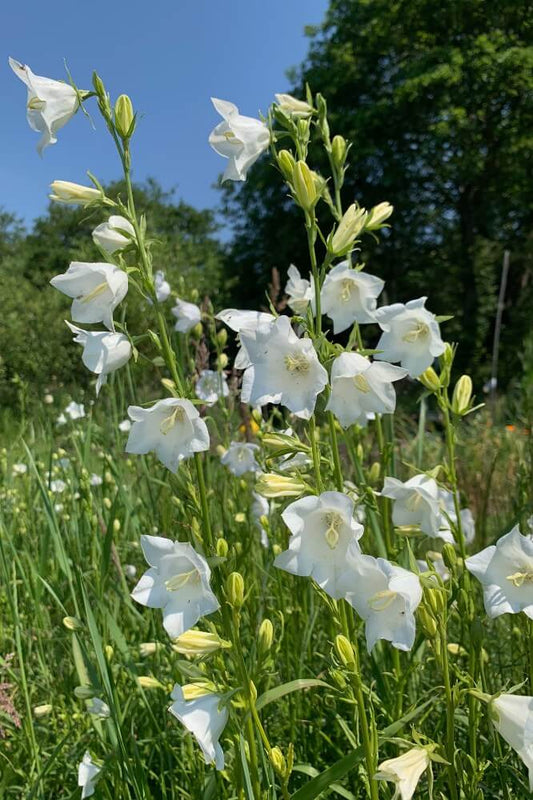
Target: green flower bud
(430,380)
(84,692)
(42,711)
(339,151)
(305,190)
(72,623)
(124,116)
(374,472)
(449,556)
(348,229)
(269,484)
(147,682)
(222,337)
(286,163)
(462,395)
(265,637)
(378,215)
(278,761)
(235,590)
(222,361)
(222,548)
(344,650)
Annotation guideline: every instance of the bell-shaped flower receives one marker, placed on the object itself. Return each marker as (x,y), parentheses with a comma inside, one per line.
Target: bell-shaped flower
(322,529)
(87,775)
(385,597)
(449,516)
(103,352)
(411,335)
(416,502)
(50,104)
(115,234)
(161,286)
(96,289)
(360,387)
(404,771)
(74,194)
(240,139)
(239,458)
(211,386)
(505,571)
(177,582)
(75,410)
(283,369)
(205,718)
(349,295)
(187,315)
(300,291)
(513,719)
(240,320)
(172,428)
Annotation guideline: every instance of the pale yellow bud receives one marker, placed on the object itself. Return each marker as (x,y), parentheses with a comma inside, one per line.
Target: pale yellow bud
(276,549)
(305,190)
(344,650)
(116,525)
(269,484)
(278,761)
(147,649)
(348,229)
(235,589)
(84,692)
(240,518)
(109,652)
(222,547)
(194,643)
(265,637)
(42,711)
(222,361)
(291,105)
(73,193)
(430,380)
(191,691)
(378,215)
(124,116)
(197,331)
(462,395)
(72,623)
(222,337)
(286,163)
(374,472)
(147,682)
(339,150)
(107,502)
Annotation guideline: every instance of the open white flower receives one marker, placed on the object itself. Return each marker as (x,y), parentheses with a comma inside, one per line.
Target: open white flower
(124,426)
(211,386)
(205,719)
(98,708)
(411,335)
(111,235)
(162,286)
(103,351)
(187,315)
(404,771)
(240,139)
(300,291)
(97,290)
(172,428)
(239,458)
(50,105)
(385,597)
(87,775)
(284,369)
(58,486)
(177,582)
(360,387)
(75,410)
(416,502)
(240,320)
(349,296)
(19,469)
(506,572)
(513,719)
(322,528)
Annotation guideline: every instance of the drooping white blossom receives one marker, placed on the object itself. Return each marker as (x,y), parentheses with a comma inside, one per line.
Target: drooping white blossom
(211,386)
(513,719)
(172,428)
(283,368)
(322,528)
(239,458)
(124,426)
(238,138)
(162,286)
(505,571)
(58,486)
(206,719)
(349,295)
(177,582)
(411,335)
(115,234)
(75,410)
(103,351)
(360,387)
(384,595)
(87,775)
(239,320)
(50,104)
(96,289)
(299,291)
(416,502)
(404,771)
(187,315)
(19,469)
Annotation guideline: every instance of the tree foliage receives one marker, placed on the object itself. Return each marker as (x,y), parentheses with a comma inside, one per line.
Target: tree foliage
(437,99)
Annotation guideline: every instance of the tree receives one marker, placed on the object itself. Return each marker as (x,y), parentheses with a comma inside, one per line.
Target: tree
(437,98)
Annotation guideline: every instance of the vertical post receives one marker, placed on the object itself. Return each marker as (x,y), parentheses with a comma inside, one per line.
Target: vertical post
(498,326)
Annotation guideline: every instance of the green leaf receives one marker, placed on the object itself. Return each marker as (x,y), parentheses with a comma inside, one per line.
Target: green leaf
(287,688)
(307,769)
(324,781)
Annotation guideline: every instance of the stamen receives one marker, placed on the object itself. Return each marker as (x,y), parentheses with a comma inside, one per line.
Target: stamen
(95,292)
(36,104)
(297,362)
(178,415)
(413,502)
(230,137)
(177,582)
(519,578)
(361,384)
(334,521)
(382,600)
(419,331)
(347,287)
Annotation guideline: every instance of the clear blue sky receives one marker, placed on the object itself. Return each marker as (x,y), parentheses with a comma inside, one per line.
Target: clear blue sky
(171,56)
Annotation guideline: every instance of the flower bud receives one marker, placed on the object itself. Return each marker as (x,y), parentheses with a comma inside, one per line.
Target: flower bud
(73,193)
(222,337)
(378,215)
(374,472)
(344,650)
(195,643)
(222,548)
(124,116)
(269,484)
(196,333)
(286,164)
(72,623)
(276,549)
(339,151)
(278,761)
(462,395)
(235,590)
(147,682)
(265,637)
(427,622)
(348,229)
(305,190)
(84,692)
(109,652)
(449,556)
(148,649)
(192,691)
(291,105)
(430,380)
(338,678)
(42,711)
(222,361)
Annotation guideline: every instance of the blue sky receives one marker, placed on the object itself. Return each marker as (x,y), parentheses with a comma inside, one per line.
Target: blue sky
(171,57)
